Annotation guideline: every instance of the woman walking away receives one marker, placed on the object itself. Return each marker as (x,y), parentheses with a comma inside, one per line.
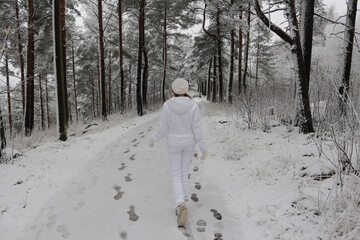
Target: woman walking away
(180,119)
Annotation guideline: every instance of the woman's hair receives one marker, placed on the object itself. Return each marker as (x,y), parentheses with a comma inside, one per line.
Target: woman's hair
(180,95)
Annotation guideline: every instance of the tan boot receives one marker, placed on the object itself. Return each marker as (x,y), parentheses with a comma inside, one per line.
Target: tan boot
(181,212)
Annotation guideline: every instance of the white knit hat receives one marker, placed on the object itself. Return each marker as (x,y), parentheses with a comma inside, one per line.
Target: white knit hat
(180,86)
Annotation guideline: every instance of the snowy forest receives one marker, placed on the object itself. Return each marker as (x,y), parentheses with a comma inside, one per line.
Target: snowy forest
(82,86)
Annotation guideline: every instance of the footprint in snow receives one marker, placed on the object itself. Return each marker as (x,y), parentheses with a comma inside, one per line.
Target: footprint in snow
(63,231)
(218,236)
(194,197)
(128,178)
(132,216)
(216,214)
(195,154)
(79,205)
(123,235)
(141,133)
(127,150)
(201,225)
(135,145)
(134,140)
(132,157)
(189,175)
(197,186)
(196,169)
(142,136)
(122,166)
(119,193)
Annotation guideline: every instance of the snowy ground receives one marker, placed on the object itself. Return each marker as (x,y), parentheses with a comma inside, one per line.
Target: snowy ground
(111,185)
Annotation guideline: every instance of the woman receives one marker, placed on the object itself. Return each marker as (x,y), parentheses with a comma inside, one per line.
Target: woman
(180,119)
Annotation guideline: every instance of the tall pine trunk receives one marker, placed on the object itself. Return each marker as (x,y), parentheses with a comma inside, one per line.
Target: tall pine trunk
(41,105)
(63,29)
(246,62)
(214,80)
(59,70)
(209,81)
(122,80)
(102,61)
(232,54)
(140,53)
(219,46)
(8,92)
(145,77)
(47,102)
(93,97)
(164,53)
(29,108)
(74,79)
(240,56)
(110,100)
(348,48)
(21,58)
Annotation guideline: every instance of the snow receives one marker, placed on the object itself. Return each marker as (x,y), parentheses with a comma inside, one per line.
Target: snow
(109,184)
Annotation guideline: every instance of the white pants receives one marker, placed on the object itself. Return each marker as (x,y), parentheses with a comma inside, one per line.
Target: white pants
(180,158)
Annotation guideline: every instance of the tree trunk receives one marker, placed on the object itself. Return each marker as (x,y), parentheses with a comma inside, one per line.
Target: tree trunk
(93,97)
(164,54)
(47,102)
(59,70)
(140,53)
(69,108)
(303,112)
(232,54)
(122,80)
(63,28)
(348,48)
(110,100)
(209,81)
(98,99)
(41,105)
(74,78)
(20,47)
(102,62)
(2,135)
(8,92)
(130,87)
(219,45)
(240,56)
(214,80)
(145,77)
(246,50)
(29,109)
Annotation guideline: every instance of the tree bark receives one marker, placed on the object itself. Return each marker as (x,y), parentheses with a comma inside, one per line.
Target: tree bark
(348,48)
(140,53)
(145,77)
(74,78)
(102,61)
(240,57)
(59,70)
(41,105)
(2,135)
(8,93)
(219,45)
(110,100)
(214,81)
(130,87)
(303,112)
(209,81)
(232,54)
(20,48)
(63,28)
(246,63)
(122,80)
(29,108)
(93,97)
(164,53)
(47,101)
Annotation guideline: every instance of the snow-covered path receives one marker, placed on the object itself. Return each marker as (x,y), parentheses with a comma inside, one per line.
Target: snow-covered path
(112,185)
(123,191)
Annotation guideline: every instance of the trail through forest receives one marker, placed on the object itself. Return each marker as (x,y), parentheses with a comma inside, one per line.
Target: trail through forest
(112,185)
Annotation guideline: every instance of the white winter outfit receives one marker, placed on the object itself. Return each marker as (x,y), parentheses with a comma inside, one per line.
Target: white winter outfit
(180,119)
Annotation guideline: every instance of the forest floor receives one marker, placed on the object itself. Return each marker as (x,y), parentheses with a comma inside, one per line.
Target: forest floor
(110,184)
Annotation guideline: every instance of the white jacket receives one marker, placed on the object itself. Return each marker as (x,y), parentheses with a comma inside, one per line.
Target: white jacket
(180,118)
